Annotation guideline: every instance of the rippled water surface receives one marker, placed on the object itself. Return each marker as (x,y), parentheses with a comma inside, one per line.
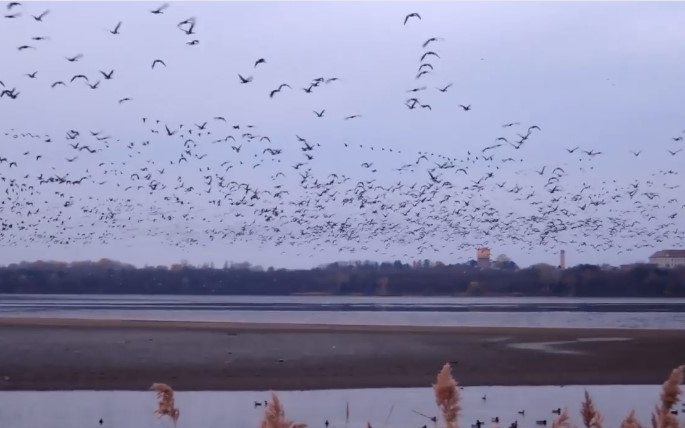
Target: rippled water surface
(422,311)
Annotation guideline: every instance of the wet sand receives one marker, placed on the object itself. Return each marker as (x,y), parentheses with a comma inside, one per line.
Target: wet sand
(61,354)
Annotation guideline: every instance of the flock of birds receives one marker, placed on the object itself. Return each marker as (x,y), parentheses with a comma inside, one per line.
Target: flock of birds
(217,180)
(496,421)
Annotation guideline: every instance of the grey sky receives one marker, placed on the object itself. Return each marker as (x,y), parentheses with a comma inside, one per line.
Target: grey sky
(602,76)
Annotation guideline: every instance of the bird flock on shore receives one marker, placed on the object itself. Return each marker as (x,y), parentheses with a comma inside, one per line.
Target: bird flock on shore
(222,180)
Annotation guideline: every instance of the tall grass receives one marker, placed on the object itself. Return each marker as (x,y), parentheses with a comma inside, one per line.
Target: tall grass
(166,406)
(448,399)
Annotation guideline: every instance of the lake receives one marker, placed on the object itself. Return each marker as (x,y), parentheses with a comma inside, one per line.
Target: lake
(633,313)
(392,407)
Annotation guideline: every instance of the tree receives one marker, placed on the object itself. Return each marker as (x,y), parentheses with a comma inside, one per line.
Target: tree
(502,258)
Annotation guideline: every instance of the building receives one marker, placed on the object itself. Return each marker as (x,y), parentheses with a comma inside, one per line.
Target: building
(483,258)
(668,258)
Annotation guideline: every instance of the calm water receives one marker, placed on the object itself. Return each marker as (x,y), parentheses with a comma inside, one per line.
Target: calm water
(423,311)
(81,409)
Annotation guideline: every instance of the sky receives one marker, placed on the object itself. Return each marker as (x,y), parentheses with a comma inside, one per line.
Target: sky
(601,76)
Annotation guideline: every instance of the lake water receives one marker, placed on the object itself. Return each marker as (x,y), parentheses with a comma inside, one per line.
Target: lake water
(380,407)
(418,311)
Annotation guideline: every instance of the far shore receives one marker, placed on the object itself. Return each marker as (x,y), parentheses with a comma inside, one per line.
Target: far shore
(67,354)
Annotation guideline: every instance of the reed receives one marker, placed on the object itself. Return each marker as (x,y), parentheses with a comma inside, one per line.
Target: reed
(274,416)
(166,405)
(591,416)
(631,421)
(448,399)
(447,396)
(670,395)
(563,421)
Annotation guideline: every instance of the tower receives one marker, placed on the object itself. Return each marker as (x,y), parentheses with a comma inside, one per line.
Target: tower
(483,258)
(562,259)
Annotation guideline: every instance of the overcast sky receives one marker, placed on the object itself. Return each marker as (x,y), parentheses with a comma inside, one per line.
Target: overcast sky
(604,77)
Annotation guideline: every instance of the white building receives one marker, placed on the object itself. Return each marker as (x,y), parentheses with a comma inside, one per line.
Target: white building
(668,258)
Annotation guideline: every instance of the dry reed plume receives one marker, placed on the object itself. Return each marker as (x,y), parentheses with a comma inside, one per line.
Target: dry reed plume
(166,405)
(670,394)
(274,416)
(563,421)
(631,421)
(591,416)
(661,418)
(447,396)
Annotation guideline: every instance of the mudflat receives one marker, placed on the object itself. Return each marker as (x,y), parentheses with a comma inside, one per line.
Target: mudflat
(64,354)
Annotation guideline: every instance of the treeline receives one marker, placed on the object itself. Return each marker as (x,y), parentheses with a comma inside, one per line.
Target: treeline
(108,277)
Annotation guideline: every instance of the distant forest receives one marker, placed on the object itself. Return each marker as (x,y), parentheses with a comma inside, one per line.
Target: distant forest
(360,278)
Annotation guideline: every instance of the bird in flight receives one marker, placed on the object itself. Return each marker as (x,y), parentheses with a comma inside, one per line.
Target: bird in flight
(107,76)
(355,115)
(40,17)
(74,58)
(79,76)
(116,29)
(283,85)
(58,83)
(421,73)
(465,107)
(189,31)
(259,61)
(445,88)
(157,61)
(10,5)
(160,10)
(319,114)
(32,75)
(429,53)
(123,100)
(432,39)
(244,80)
(411,15)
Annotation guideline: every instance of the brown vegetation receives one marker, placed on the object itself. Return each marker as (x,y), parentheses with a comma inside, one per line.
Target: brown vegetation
(670,394)
(591,417)
(166,405)
(274,416)
(447,399)
(447,396)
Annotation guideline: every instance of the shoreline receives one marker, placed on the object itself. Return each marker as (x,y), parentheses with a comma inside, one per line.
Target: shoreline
(77,354)
(301,327)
